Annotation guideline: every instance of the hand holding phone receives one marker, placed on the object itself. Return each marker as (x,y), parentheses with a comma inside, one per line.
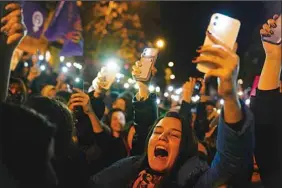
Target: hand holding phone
(146,64)
(274,27)
(226,29)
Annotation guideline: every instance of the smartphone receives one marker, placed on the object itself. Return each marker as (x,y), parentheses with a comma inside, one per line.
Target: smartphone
(226,29)
(148,59)
(109,73)
(197,88)
(78,83)
(275,38)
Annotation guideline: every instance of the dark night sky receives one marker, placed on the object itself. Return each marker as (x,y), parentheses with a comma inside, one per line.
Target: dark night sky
(183,25)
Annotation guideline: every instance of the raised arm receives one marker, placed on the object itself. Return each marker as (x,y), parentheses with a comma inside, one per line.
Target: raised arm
(145,113)
(270,75)
(233,160)
(266,106)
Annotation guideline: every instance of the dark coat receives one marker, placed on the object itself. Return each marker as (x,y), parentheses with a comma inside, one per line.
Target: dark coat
(267,109)
(233,160)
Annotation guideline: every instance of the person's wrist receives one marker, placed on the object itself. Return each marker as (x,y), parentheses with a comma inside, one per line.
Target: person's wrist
(273,58)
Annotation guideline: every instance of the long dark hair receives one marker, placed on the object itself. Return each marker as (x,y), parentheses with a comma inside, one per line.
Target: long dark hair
(188,148)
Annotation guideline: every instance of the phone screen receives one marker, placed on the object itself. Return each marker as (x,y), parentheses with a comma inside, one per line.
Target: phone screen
(78,83)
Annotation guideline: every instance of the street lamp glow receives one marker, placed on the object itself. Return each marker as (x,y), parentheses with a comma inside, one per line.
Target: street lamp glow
(25,64)
(43,67)
(65,69)
(166,94)
(158,89)
(151,88)
(126,85)
(170,88)
(68,64)
(62,58)
(160,43)
(172,77)
(170,64)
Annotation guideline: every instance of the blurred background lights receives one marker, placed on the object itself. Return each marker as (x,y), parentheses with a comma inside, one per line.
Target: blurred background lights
(170,88)
(171,64)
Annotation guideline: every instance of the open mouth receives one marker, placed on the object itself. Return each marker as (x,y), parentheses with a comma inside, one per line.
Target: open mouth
(161,151)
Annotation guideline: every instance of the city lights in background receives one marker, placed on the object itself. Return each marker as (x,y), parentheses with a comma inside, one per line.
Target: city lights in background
(43,67)
(131,81)
(166,94)
(171,64)
(160,43)
(172,77)
(77,65)
(221,102)
(175,97)
(65,69)
(178,91)
(25,64)
(68,64)
(119,75)
(41,57)
(62,58)
(158,89)
(170,88)
(126,85)
(151,88)
(136,86)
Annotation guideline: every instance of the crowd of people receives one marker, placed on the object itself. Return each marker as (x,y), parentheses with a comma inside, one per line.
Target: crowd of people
(54,135)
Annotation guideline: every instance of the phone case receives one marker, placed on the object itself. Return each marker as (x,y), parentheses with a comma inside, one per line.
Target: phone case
(148,59)
(226,29)
(275,38)
(110,76)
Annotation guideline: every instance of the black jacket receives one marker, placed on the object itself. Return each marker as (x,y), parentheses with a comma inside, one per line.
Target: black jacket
(267,109)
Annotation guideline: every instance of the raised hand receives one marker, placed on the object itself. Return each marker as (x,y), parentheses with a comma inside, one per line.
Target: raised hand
(188,88)
(80,99)
(13,26)
(226,62)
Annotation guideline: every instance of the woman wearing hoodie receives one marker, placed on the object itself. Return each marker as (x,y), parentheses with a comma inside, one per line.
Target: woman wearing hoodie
(170,158)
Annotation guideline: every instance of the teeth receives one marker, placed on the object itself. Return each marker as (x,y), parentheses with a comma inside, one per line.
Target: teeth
(160,147)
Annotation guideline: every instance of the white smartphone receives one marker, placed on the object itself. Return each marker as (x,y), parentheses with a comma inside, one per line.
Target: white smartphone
(148,59)
(224,28)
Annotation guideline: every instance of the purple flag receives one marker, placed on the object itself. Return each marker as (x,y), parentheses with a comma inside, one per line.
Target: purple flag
(34,17)
(66,24)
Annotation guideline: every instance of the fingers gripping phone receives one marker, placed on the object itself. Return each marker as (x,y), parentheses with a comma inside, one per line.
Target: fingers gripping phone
(275,38)
(225,29)
(147,61)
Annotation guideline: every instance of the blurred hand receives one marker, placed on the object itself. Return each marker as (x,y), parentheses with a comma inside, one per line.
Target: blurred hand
(80,99)
(272,51)
(12,23)
(226,62)
(188,88)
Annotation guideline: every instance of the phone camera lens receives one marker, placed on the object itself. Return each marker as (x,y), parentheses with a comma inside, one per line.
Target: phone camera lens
(214,23)
(216,17)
